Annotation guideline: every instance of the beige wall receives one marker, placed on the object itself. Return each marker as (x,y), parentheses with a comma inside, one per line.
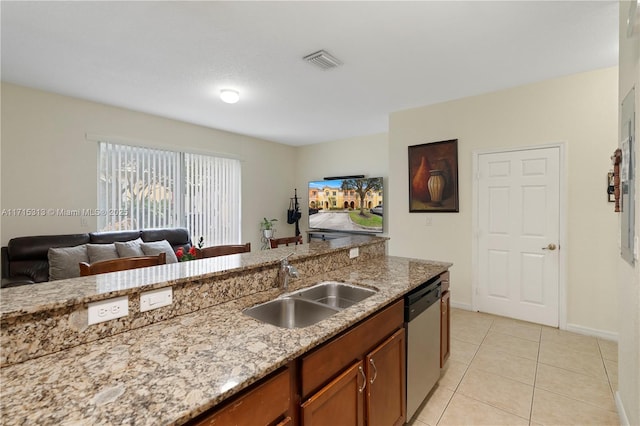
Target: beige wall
(47,162)
(366,155)
(629,277)
(579,110)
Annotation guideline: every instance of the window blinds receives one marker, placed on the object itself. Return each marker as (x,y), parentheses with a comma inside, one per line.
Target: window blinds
(212,198)
(151,188)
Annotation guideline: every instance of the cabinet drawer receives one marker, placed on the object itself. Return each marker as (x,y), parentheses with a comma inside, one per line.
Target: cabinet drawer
(263,404)
(325,362)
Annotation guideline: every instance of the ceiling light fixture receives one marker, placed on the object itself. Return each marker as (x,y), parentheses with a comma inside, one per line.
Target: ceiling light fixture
(229,96)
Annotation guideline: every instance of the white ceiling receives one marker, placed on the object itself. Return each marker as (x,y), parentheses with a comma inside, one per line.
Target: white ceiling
(172,58)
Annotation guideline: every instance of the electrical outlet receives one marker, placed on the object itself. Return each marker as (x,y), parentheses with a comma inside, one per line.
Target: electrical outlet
(428,221)
(109,309)
(354,252)
(156,299)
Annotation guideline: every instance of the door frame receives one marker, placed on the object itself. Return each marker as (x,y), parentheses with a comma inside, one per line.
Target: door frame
(562,234)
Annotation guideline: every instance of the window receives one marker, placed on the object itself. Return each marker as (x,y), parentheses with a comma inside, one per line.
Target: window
(152,188)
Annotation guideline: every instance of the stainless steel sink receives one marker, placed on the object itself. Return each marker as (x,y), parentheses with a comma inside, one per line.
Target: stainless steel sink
(335,294)
(289,312)
(310,305)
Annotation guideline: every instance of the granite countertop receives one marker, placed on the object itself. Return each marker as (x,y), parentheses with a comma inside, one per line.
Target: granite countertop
(169,372)
(51,295)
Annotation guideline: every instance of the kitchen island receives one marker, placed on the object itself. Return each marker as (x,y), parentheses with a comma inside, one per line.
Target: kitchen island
(169,369)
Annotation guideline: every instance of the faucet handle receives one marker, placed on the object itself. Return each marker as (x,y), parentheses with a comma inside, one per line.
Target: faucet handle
(285,259)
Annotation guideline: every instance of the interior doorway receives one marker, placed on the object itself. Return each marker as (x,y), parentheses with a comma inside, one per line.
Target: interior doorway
(518,220)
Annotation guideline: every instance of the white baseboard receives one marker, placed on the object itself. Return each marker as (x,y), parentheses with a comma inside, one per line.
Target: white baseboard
(458,305)
(607,335)
(624,420)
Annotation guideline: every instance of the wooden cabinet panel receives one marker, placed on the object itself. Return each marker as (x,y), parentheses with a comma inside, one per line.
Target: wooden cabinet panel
(386,374)
(327,361)
(445,281)
(340,402)
(264,404)
(445,327)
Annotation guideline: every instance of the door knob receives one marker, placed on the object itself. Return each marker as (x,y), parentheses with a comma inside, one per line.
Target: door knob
(551,247)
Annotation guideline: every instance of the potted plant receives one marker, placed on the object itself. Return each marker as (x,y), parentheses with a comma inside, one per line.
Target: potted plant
(267,227)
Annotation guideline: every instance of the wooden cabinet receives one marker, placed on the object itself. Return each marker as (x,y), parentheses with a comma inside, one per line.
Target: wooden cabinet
(327,361)
(445,327)
(386,372)
(339,402)
(364,369)
(266,403)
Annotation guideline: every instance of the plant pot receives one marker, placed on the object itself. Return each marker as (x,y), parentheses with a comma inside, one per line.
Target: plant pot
(267,233)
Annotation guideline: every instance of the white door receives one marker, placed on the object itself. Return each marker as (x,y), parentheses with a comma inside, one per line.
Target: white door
(518,234)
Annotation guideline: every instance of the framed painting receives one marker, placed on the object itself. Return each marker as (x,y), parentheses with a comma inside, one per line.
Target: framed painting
(433,177)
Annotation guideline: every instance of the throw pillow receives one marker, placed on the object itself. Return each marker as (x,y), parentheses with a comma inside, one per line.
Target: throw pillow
(129,248)
(156,247)
(100,252)
(64,261)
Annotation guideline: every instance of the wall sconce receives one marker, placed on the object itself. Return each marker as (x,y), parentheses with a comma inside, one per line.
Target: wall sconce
(610,187)
(616,159)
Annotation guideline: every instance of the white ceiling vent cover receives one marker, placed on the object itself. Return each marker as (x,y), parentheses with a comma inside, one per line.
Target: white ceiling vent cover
(323,60)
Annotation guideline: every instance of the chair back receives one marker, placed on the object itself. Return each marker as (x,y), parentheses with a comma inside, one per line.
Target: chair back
(121,264)
(213,251)
(275,242)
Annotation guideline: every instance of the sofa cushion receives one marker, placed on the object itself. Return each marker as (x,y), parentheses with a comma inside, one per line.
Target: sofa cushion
(27,256)
(107,237)
(129,248)
(177,237)
(100,252)
(37,248)
(64,261)
(157,247)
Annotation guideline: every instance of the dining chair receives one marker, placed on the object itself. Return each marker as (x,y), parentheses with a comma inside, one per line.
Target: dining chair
(121,264)
(213,251)
(275,242)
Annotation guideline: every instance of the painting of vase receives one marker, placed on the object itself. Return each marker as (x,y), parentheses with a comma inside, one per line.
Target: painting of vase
(433,177)
(420,181)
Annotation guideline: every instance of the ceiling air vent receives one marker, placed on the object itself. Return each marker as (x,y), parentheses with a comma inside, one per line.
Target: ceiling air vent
(322,60)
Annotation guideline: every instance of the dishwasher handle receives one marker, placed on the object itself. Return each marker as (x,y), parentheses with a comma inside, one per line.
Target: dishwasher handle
(424,290)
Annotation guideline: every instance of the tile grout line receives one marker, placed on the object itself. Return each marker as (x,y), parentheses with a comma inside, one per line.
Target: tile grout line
(463,374)
(604,364)
(535,378)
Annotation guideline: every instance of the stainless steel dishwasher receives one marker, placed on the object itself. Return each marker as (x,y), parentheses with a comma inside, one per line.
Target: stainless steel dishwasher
(422,322)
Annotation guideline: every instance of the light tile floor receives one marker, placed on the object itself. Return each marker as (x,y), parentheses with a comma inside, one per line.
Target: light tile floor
(508,372)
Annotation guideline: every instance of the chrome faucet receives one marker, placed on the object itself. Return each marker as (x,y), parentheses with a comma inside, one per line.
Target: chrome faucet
(285,272)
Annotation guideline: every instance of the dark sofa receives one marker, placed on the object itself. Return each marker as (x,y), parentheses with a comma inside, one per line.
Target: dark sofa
(25,259)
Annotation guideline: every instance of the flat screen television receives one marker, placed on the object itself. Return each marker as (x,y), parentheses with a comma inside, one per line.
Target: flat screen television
(346,205)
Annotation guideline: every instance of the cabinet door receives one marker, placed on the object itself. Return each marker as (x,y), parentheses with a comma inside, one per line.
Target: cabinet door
(445,324)
(340,402)
(386,374)
(269,401)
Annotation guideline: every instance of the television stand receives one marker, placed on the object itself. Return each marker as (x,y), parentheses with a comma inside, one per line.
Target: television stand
(324,235)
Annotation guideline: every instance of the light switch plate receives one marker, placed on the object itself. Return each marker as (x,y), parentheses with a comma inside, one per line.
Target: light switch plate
(109,309)
(354,252)
(156,299)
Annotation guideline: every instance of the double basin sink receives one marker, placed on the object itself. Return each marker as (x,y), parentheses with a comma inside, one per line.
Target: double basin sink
(308,306)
